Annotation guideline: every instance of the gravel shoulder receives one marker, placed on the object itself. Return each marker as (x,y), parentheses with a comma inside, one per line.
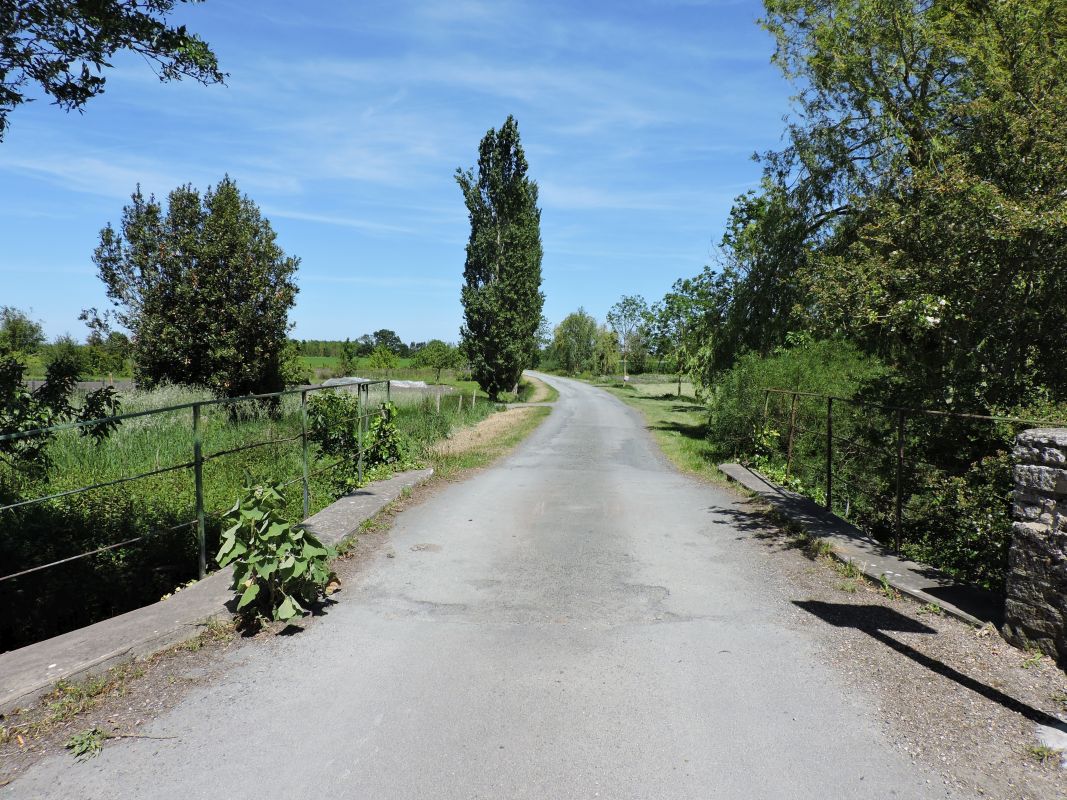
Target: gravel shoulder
(955,699)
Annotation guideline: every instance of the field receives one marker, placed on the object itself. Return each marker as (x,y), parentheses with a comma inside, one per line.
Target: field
(160,507)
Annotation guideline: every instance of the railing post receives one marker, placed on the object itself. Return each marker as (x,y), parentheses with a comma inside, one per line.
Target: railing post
(899,499)
(359,432)
(304,453)
(829,454)
(792,428)
(198,481)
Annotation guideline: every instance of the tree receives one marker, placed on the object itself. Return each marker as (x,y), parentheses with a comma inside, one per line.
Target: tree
(19,333)
(437,355)
(204,289)
(349,350)
(606,351)
(390,341)
(501,296)
(63,46)
(626,318)
(574,342)
(383,358)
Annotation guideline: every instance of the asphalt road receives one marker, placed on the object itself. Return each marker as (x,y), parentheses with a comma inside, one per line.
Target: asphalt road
(579,621)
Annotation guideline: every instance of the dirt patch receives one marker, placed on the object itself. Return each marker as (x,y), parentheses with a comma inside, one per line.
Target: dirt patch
(116,703)
(477,436)
(956,699)
(540,393)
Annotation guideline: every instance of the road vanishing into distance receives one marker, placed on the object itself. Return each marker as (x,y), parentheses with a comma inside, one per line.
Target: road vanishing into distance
(578,621)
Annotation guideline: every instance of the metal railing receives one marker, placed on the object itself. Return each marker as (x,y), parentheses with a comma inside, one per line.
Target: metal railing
(199,459)
(877,452)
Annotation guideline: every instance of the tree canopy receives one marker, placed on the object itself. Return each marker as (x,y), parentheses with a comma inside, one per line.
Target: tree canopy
(918,207)
(62,47)
(203,287)
(501,296)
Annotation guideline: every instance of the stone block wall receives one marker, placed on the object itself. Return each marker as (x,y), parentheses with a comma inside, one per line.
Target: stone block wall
(1035,607)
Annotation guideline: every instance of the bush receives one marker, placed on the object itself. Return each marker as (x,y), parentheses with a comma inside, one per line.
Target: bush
(736,400)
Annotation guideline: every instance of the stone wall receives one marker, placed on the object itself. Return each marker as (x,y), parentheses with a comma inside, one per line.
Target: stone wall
(1035,607)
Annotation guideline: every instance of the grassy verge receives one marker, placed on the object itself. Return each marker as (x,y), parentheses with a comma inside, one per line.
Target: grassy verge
(159,509)
(532,390)
(678,423)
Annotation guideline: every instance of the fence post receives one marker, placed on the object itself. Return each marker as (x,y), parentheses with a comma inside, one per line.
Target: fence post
(899,499)
(359,432)
(388,393)
(829,454)
(198,481)
(437,399)
(304,448)
(792,428)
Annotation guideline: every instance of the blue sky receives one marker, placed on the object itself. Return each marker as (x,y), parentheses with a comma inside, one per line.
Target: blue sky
(345,123)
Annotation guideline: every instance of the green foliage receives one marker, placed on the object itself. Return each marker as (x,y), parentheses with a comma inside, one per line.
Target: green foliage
(628,319)
(87,744)
(62,47)
(19,333)
(736,402)
(204,289)
(280,569)
(438,355)
(49,404)
(383,358)
(574,342)
(386,445)
(501,296)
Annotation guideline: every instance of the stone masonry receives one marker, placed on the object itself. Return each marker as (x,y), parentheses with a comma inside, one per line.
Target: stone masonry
(1035,607)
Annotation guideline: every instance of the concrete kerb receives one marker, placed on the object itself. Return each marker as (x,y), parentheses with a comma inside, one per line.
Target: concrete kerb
(29,672)
(850,545)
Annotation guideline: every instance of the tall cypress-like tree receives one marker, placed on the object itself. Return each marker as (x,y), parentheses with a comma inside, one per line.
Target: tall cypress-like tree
(502,296)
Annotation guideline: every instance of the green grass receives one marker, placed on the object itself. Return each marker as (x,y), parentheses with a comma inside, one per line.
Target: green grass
(678,422)
(161,507)
(446,466)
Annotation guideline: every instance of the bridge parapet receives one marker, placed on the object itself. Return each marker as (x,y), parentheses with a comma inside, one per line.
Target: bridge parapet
(1035,608)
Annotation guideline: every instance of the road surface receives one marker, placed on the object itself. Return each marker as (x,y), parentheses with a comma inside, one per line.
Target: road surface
(579,621)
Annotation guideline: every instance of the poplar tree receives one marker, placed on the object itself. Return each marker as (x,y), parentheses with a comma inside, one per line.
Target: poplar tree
(502,298)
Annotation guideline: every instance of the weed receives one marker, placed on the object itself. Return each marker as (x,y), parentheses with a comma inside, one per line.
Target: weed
(887,588)
(1034,658)
(87,744)
(1059,697)
(931,608)
(849,586)
(847,569)
(1042,752)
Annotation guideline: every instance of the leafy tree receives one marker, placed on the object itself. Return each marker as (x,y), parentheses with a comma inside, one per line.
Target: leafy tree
(203,287)
(349,354)
(63,46)
(627,318)
(49,404)
(383,358)
(606,351)
(390,341)
(502,300)
(574,342)
(19,333)
(438,355)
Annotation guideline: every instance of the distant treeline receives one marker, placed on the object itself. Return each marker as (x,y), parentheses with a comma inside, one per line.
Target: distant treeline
(363,346)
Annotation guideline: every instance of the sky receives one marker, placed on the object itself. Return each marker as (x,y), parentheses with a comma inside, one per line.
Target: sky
(345,124)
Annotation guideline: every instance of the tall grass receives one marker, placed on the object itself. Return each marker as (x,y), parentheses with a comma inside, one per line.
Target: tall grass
(160,508)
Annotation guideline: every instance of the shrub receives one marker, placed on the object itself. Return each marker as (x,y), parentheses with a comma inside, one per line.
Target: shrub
(279,568)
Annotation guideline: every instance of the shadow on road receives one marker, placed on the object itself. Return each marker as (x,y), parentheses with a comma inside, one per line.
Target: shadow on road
(875,621)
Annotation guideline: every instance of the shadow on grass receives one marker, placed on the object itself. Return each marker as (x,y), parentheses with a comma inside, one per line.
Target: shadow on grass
(878,621)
